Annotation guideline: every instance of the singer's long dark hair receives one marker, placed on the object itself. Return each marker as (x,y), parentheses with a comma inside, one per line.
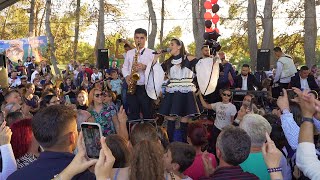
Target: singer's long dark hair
(166,65)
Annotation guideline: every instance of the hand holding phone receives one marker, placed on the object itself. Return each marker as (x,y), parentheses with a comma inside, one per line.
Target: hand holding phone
(68,101)
(91,135)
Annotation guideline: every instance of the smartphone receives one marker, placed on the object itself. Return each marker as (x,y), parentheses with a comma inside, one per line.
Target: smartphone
(68,101)
(91,136)
(291,94)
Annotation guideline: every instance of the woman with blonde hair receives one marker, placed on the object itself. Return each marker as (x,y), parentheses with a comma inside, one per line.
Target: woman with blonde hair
(82,100)
(147,162)
(106,115)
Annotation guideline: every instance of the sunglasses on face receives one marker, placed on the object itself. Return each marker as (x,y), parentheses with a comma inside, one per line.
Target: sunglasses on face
(224,94)
(98,95)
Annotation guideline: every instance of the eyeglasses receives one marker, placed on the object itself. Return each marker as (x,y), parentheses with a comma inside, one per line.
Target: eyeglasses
(224,94)
(98,95)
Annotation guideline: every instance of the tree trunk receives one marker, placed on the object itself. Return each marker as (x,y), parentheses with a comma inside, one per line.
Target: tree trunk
(41,20)
(31,19)
(153,33)
(267,24)
(100,41)
(310,36)
(36,20)
(198,24)
(51,38)
(252,32)
(161,29)
(76,31)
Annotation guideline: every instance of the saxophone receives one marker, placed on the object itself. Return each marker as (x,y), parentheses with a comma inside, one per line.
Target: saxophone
(135,76)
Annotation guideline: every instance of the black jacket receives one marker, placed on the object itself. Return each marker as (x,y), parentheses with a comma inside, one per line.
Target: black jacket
(295,82)
(252,81)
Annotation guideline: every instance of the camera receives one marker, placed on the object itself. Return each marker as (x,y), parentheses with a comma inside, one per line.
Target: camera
(211,40)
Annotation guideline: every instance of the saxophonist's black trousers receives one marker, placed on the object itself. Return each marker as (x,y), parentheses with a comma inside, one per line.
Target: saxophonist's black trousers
(138,103)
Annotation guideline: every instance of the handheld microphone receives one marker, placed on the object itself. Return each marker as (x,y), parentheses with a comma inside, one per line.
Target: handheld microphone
(162,51)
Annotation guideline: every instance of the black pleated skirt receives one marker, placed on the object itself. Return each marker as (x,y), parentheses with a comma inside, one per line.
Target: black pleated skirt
(180,104)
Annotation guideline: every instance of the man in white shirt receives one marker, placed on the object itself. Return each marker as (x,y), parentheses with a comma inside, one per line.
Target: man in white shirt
(304,80)
(285,70)
(139,101)
(35,72)
(246,81)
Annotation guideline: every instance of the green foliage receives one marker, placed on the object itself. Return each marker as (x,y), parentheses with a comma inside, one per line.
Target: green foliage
(176,32)
(111,43)
(236,48)
(192,48)
(16,25)
(292,45)
(85,52)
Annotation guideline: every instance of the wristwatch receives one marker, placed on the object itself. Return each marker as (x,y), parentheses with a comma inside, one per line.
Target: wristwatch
(307,119)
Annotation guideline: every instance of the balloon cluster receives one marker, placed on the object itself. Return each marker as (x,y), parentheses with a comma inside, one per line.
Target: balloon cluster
(211,34)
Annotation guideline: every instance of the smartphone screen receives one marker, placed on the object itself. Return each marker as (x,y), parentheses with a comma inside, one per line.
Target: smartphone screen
(91,135)
(68,101)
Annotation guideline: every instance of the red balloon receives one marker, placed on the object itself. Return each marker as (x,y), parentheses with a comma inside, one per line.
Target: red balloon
(207,5)
(207,16)
(209,30)
(214,1)
(216,30)
(215,18)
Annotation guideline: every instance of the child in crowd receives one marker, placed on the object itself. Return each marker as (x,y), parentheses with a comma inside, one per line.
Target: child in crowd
(115,84)
(225,112)
(178,158)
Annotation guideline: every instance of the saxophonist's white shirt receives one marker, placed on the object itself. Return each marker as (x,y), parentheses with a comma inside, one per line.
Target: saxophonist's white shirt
(145,58)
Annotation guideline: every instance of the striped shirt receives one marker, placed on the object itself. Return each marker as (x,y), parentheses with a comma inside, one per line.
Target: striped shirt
(231,173)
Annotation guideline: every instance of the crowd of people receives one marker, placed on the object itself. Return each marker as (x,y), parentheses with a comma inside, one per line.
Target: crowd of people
(182,119)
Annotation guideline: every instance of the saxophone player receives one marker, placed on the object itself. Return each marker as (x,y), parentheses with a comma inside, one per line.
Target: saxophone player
(138,58)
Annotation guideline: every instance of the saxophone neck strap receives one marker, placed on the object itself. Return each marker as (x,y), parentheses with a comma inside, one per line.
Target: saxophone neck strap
(141,51)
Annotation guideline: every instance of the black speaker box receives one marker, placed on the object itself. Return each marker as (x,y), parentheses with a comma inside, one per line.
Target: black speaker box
(263,60)
(3,60)
(103,59)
